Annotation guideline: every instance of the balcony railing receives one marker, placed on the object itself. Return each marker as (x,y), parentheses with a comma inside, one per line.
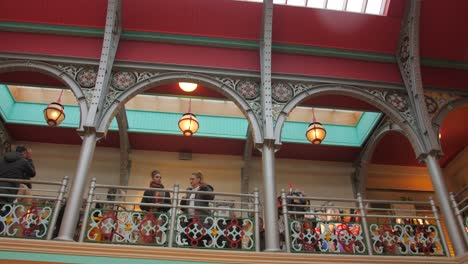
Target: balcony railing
(460,206)
(34,213)
(229,224)
(355,226)
(232,221)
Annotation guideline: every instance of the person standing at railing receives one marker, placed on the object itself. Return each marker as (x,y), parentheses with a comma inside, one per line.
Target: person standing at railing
(156,197)
(196,216)
(16,165)
(198,199)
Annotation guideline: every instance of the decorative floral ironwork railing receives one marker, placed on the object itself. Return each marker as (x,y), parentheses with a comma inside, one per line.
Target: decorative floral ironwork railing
(166,223)
(25,221)
(324,227)
(404,239)
(215,232)
(326,237)
(127,227)
(32,215)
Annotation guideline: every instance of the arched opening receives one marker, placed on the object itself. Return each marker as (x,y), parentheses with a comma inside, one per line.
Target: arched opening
(334,159)
(394,173)
(153,108)
(454,142)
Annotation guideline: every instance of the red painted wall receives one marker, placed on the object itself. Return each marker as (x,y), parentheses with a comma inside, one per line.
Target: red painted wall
(83,13)
(215,18)
(188,55)
(447,78)
(334,67)
(335,29)
(50,45)
(444,31)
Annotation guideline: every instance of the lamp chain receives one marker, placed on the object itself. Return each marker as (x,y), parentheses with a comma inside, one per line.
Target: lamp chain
(190,105)
(60,96)
(313,115)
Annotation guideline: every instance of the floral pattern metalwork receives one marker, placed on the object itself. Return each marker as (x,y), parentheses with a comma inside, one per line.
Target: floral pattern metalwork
(326,237)
(431,104)
(281,92)
(127,227)
(405,239)
(248,89)
(123,80)
(17,220)
(397,101)
(87,78)
(215,232)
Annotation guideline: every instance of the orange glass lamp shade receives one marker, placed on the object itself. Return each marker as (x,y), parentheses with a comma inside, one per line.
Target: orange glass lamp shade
(188,124)
(316,133)
(54,114)
(188,87)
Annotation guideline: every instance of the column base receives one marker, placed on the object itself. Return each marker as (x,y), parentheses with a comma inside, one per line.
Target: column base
(64,238)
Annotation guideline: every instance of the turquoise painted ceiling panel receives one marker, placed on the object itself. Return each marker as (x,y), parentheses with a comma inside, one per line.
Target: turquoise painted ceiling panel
(167,123)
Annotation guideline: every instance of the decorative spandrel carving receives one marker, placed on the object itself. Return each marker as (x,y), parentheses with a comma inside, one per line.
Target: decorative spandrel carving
(87,78)
(141,76)
(228,82)
(257,109)
(282,92)
(437,100)
(71,70)
(300,87)
(398,101)
(123,80)
(88,94)
(248,89)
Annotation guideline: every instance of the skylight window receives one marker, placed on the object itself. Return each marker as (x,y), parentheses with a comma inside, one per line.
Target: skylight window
(374,7)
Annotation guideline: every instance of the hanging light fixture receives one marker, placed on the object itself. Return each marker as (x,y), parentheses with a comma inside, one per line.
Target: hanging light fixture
(54,113)
(188,123)
(315,132)
(187,86)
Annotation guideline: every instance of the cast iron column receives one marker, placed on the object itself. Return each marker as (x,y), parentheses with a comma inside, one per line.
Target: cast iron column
(270,203)
(75,198)
(455,234)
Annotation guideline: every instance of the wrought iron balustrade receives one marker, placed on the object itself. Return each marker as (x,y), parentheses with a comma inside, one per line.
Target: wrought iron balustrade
(460,206)
(34,213)
(231,224)
(355,226)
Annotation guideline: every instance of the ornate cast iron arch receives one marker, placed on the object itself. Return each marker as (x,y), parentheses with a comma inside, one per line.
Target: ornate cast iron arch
(354,92)
(51,70)
(445,110)
(360,177)
(165,78)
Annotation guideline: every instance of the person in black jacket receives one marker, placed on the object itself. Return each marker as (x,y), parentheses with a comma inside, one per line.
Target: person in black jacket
(156,197)
(198,199)
(15,165)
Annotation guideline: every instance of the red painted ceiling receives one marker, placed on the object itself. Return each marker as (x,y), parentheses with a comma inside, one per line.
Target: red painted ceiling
(442,33)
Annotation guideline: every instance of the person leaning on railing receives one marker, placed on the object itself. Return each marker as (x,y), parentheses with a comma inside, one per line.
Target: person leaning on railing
(16,165)
(155,197)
